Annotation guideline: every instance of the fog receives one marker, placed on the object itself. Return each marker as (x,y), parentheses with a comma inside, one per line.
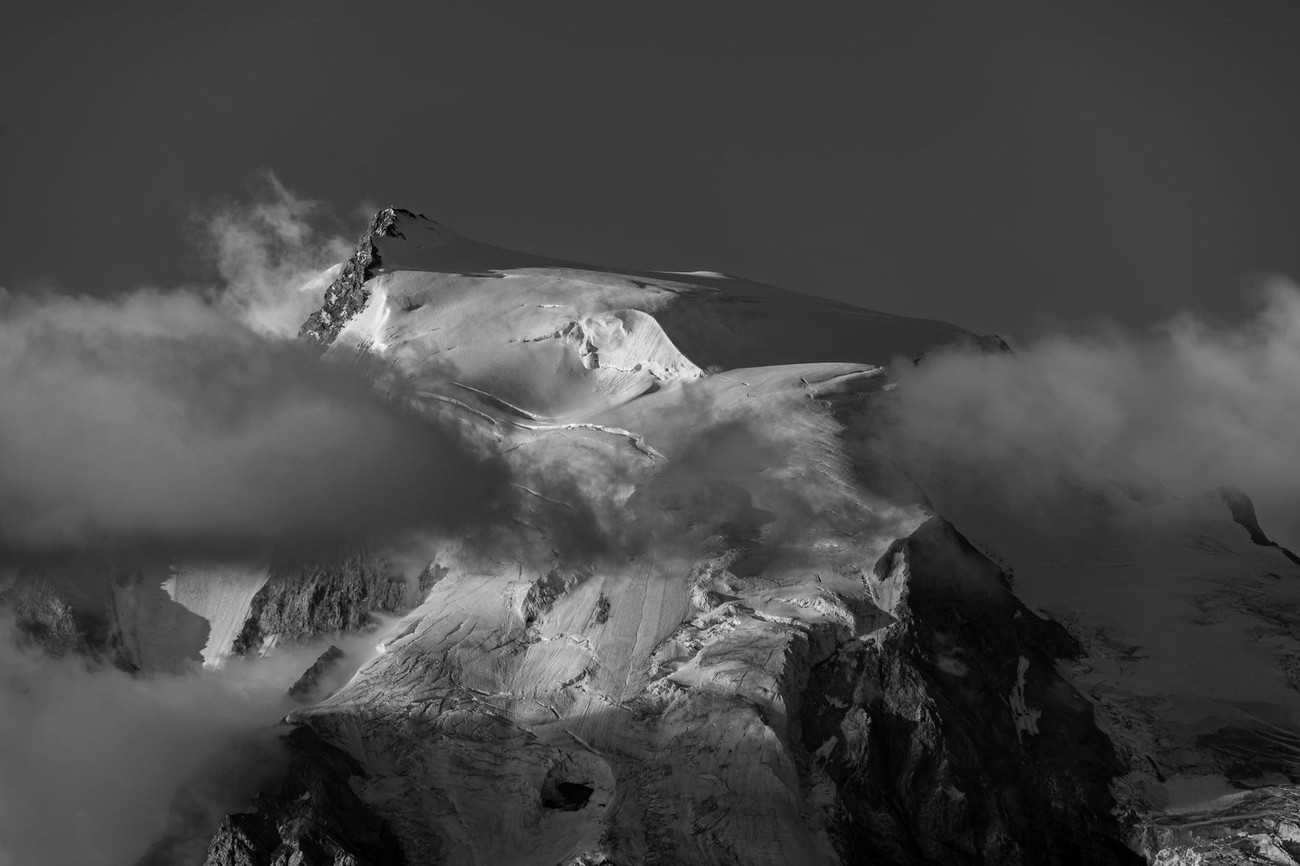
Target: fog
(187,420)
(1194,404)
(92,758)
(192,416)
(273,263)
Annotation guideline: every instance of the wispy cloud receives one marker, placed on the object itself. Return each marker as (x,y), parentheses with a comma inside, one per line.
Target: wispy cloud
(1195,404)
(274,263)
(188,415)
(97,765)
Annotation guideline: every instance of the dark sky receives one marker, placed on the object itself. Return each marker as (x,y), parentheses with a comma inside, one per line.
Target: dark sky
(1006,166)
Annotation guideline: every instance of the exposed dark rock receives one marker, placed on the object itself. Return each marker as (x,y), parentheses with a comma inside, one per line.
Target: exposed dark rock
(542,594)
(88,608)
(45,618)
(953,739)
(1243,512)
(309,683)
(225,784)
(429,578)
(566,796)
(977,344)
(312,816)
(62,619)
(347,296)
(305,597)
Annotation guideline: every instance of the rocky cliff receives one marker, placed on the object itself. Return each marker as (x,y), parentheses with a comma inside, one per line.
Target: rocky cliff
(953,738)
(346,295)
(312,815)
(308,594)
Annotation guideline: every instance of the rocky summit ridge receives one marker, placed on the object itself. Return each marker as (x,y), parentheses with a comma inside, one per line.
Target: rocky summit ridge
(346,295)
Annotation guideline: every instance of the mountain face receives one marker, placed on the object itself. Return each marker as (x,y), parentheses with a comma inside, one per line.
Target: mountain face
(720,622)
(721,618)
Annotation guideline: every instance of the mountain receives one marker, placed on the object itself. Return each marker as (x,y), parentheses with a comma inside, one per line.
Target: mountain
(721,622)
(722,617)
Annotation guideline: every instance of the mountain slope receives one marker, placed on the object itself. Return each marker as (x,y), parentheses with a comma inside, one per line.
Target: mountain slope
(717,622)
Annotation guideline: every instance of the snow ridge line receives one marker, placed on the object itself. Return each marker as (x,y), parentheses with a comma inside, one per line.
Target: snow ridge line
(638,441)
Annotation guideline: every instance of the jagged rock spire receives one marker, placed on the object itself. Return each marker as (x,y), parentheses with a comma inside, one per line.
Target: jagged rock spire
(347,296)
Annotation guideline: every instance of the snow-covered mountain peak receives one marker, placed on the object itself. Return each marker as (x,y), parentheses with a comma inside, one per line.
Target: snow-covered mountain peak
(717,616)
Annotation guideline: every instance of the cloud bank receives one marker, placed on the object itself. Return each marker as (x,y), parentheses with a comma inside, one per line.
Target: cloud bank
(97,765)
(274,264)
(1196,405)
(191,416)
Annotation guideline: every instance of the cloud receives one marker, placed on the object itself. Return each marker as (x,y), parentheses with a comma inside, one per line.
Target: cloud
(1195,405)
(724,476)
(188,422)
(97,765)
(275,265)
(188,417)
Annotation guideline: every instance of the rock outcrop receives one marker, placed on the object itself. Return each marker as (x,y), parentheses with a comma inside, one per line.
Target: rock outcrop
(43,616)
(308,685)
(306,595)
(115,616)
(311,816)
(952,738)
(1243,512)
(347,295)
